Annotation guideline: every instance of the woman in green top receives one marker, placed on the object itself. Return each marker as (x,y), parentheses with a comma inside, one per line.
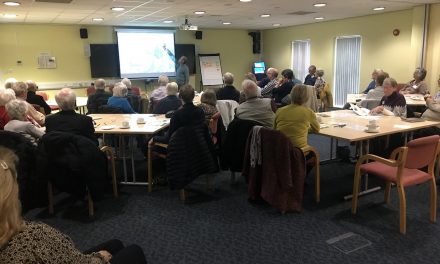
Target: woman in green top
(294,120)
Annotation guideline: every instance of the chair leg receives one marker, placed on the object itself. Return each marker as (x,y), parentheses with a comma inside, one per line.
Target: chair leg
(150,166)
(50,198)
(90,202)
(317,180)
(109,153)
(356,185)
(387,192)
(433,200)
(182,195)
(402,205)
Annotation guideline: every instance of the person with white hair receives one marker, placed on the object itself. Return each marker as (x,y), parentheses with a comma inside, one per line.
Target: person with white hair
(272,75)
(99,98)
(133,99)
(10,82)
(171,102)
(228,92)
(20,89)
(160,92)
(119,99)
(17,112)
(255,108)
(67,120)
(6,95)
(34,98)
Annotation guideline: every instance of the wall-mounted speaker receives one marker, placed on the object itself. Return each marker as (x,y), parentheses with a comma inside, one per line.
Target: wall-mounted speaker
(199,34)
(83,33)
(256,44)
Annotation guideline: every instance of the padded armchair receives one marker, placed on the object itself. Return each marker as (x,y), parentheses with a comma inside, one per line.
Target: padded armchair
(307,150)
(403,168)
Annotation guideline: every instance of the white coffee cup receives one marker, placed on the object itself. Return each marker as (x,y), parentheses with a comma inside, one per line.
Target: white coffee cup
(125,124)
(372,124)
(140,120)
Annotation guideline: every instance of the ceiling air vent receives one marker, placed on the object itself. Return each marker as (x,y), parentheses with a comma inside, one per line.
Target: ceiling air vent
(55,1)
(301,13)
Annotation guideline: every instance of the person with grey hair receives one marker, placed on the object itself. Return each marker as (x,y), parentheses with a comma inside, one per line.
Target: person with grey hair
(295,120)
(208,103)
(255,108)
(228,92)
(133,99)
(20,89)
(67,120)
(99,98)
(418,84)
(34,98)
(372,84)
(160,92)
(6,95)
(9,83)
(171,102)
(272,74)
(119,99)
(182,72)
(17,112)
(311,77)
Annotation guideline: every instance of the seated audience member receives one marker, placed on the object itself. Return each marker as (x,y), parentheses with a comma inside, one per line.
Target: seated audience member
(99,98)
(377,93)
(392,100)
(20,89)
(133,99)
(311,77)
(272,74)
(284,86)
(418,84)
(119,99)
(67,120)
(431,114)
(255,108)
(372,84)
(34,98)
(9,83)
(6,95)
(228,92)
(208,103)
(294,120)
(171,102)
(160,92)
(17,112)
(31,242)
(249,76)
(187,115)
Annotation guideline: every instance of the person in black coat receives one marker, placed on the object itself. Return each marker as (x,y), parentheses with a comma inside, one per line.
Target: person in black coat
(171,102)
(285,86)
(311,77)
(99,98)
(36,99)
(67,120)
(228,92)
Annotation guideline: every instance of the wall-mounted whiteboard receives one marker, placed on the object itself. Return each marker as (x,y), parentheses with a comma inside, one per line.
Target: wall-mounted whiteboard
(211,69)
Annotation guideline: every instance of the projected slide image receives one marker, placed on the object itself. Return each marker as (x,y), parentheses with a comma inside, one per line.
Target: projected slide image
(146,54)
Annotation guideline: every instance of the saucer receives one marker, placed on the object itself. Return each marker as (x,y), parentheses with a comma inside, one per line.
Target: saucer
(140,123)
(108,127)
(372,131)
(124,127)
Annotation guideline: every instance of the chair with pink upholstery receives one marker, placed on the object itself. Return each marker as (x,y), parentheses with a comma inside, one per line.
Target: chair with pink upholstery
(403,168)
(136,90)
(43,94)
(90,90)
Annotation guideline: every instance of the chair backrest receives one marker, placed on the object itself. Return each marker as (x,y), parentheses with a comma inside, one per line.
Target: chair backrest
(422,152)
(43,94)
(106,109)
(213,123)
(90,90)
(136,90)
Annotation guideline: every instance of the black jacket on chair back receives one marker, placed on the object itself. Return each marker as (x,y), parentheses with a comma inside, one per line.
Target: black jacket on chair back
(33,190)
(190,154)
(73,163)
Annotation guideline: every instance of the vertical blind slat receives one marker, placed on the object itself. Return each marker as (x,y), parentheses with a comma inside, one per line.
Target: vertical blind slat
(301,58)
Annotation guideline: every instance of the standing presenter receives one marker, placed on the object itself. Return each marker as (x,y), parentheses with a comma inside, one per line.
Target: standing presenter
(182,72)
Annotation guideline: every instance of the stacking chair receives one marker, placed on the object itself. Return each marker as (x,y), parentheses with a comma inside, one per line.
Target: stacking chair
(43,94)
(309,149)
(403,168)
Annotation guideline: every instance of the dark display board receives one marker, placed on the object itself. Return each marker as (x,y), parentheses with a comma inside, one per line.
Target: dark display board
(187,50)
(104,60)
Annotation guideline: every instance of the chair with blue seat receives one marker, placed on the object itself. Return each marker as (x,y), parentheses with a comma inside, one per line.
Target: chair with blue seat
(405,167)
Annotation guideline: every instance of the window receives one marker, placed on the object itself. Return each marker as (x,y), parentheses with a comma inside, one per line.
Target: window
(347,67)
(300,58)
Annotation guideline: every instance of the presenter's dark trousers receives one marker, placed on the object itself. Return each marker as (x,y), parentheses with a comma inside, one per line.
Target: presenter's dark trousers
(132,254)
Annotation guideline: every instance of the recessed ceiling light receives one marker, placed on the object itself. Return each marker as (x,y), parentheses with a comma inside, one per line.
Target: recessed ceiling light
(276,25)
(98,19)
(9,15)
(199,12)
(226,23)
(380,8)
(10,3)
(319,18)
(118,9)
(319,4)
(168,21)
(245,1)
(265,15)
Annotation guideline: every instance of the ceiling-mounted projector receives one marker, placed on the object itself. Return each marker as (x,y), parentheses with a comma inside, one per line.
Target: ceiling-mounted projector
(187,26)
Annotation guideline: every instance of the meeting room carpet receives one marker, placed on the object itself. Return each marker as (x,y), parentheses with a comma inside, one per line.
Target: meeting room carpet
(221,226)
